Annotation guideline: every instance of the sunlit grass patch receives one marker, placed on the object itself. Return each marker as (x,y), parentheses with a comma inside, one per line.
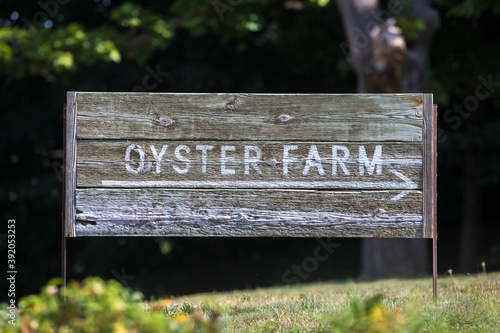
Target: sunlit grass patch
(465,304)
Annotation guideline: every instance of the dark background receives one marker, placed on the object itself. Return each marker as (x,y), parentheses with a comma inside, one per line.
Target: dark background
(252,46)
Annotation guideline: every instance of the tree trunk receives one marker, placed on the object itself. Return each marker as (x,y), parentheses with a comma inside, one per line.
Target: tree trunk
(385,64)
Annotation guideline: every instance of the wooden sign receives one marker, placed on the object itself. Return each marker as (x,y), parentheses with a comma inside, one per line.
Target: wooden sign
(139,164)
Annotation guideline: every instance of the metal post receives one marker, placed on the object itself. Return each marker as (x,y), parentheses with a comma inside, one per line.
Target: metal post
(63,226)
(63,259)
(434,266)
(434,215)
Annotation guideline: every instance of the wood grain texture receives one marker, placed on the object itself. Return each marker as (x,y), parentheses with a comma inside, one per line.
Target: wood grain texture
(297,213)
(430,167)
(119,197)
(105,160)
(70,164)
(310,117)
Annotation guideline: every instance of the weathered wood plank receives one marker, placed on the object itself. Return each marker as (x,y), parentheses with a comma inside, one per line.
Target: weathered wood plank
(361,117)
(304,213)
(430,166)
(400,163)
(70,164)
(210,229)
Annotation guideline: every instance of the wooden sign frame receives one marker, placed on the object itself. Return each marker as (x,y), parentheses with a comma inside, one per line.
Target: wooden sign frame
(250,185)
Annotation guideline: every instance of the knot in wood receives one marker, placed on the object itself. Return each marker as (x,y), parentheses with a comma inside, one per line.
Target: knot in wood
(165,121)
(284,118)
(378,212)
(230,106)
(420,111)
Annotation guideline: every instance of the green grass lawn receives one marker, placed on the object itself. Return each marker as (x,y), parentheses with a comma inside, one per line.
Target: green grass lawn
(465,304)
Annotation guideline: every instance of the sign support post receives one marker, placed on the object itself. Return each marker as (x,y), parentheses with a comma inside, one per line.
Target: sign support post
(63,224)
(434,216)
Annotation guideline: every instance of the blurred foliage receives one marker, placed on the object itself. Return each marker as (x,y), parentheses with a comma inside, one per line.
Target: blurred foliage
(95,305)
(471,8)
(212,46)
(132,31)
(407,20)
(370,315)
(411,27)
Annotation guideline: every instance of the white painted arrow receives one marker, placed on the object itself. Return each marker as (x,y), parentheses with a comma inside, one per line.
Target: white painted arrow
(408,184)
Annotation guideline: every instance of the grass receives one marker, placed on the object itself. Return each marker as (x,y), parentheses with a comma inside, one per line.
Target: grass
(465,304)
